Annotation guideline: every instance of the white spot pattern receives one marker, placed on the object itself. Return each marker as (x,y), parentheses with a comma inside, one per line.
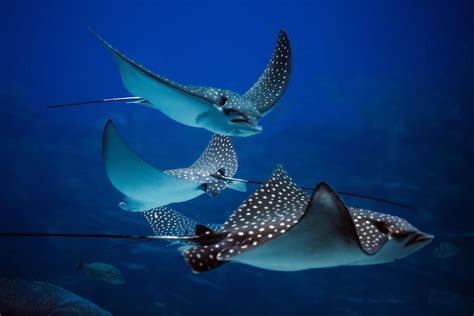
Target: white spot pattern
(268,213)
(370,237)
(168,222)
(144,70)
(266,92)
(219,154)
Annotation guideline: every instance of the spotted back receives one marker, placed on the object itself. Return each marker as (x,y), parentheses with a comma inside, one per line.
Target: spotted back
(165,221)
(219,155)
(130,71)
(268,213)
(271,85)
(168,222)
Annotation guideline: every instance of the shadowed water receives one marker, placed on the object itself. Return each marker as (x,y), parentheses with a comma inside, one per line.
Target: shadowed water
(380,103)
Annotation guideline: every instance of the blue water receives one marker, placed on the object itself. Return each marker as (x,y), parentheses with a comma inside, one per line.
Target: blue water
(380,102)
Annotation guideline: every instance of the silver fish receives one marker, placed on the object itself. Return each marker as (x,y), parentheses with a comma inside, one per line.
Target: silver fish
(101,271)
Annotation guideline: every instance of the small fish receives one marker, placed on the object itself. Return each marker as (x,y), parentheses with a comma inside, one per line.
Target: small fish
(217,110)
(36,298)
(145,187)
(279,227)
(101,271)
(446,250)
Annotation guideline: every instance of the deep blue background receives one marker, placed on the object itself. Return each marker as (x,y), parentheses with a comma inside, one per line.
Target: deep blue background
(380,102)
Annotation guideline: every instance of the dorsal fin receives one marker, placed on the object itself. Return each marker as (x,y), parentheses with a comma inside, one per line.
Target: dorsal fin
(269,88)
(219,155)
(269,212)
(326,202)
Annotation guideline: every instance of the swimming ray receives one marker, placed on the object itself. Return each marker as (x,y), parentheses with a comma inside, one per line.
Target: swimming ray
(146,187)
(279,227)
(217,110)
(165,221)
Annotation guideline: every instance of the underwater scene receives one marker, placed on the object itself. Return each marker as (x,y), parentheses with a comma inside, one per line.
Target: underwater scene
(237,158)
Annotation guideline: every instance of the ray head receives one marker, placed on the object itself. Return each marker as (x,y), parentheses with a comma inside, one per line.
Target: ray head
(386,238)
(234,115)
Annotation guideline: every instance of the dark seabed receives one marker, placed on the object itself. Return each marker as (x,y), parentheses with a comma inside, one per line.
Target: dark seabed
(380,102)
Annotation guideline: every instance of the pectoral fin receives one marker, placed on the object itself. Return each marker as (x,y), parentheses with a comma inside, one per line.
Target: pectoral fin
(271,85)
(143,185)
(170,97)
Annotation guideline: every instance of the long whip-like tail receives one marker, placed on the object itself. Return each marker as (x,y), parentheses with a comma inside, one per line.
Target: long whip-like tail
(126,99)
(362,196)
(108,236)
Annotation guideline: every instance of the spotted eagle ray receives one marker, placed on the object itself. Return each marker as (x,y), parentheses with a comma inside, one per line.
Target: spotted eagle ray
(146,187)
(217,110)
(279,227)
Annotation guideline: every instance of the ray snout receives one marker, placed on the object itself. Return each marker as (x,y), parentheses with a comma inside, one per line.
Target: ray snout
(248,129)
(419,238)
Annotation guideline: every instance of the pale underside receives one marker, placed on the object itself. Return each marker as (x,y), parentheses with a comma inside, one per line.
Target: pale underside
(145,187)
(206,107)
(125,170)
(173,99)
